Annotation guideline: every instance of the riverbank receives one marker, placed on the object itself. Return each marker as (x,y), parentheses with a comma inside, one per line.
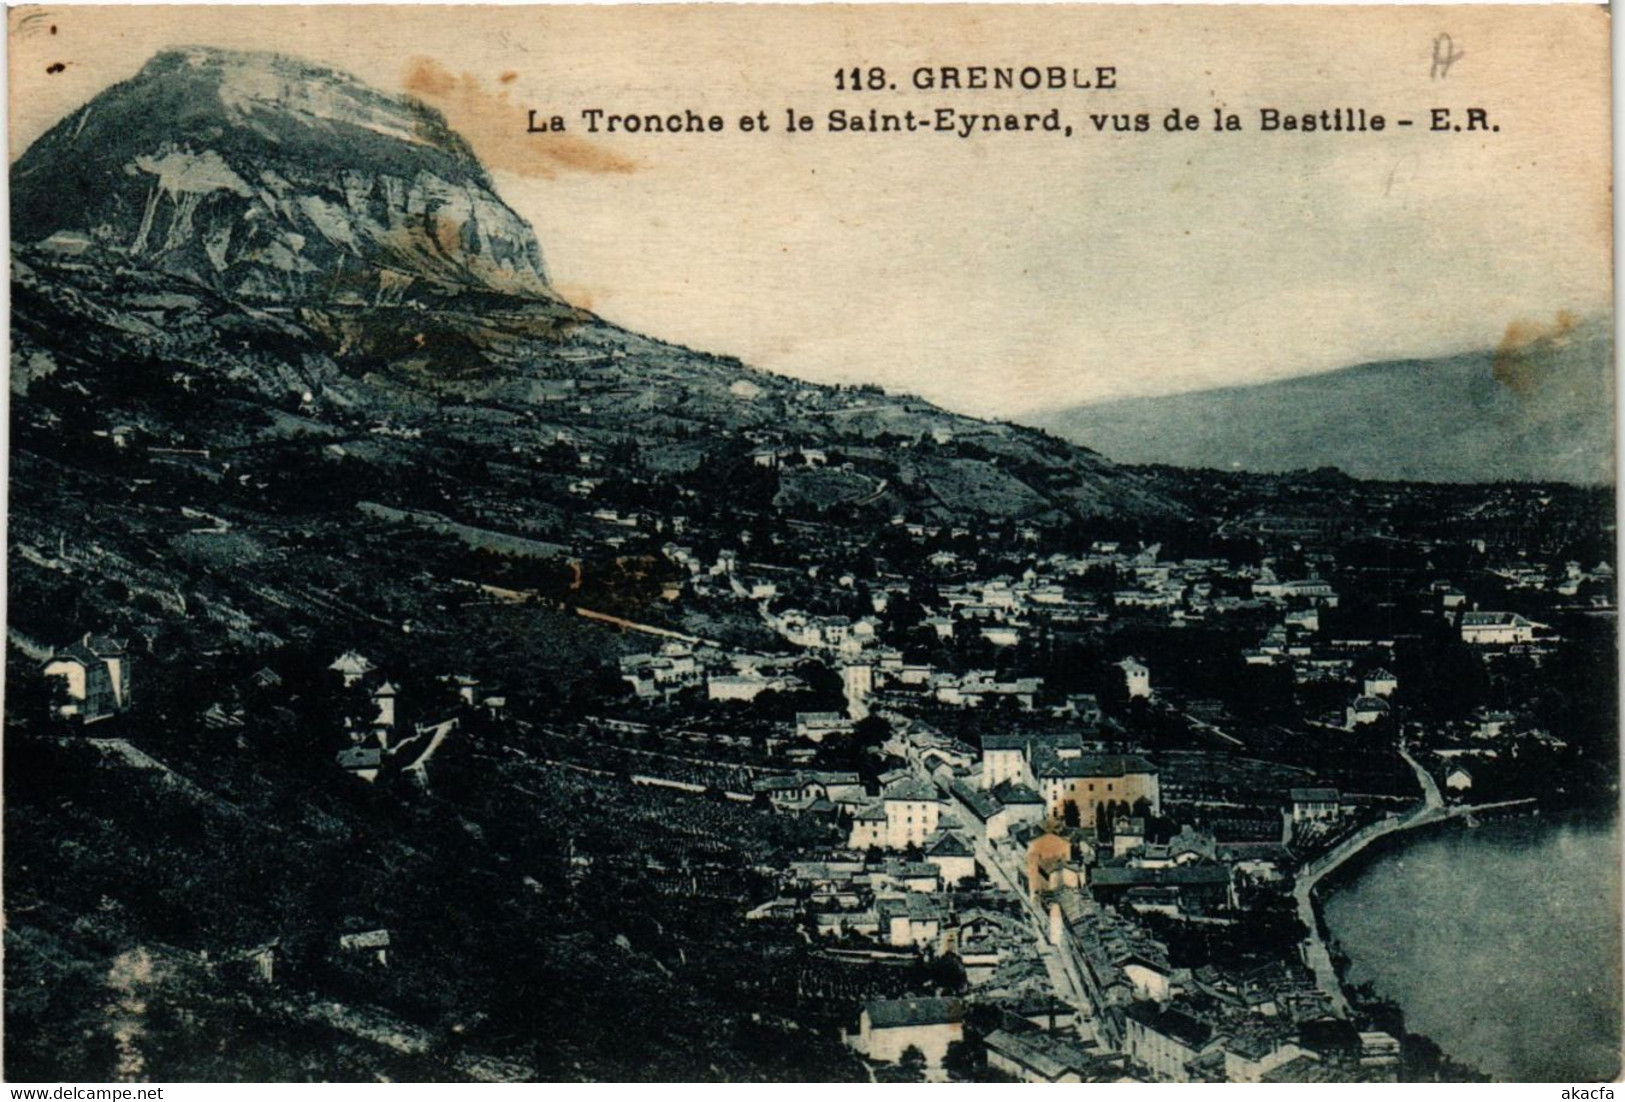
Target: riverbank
(1431,809)
(1393,842)
(1500,944)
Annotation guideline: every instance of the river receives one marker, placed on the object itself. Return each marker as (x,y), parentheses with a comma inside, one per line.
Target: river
(1502,943)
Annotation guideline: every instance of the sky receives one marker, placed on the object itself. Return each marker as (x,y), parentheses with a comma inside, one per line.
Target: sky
(1004,274)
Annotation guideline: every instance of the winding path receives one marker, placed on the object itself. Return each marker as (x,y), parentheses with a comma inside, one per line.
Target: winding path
(1430,788)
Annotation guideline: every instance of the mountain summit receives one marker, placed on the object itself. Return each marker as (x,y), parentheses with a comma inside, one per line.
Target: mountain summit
(238,251)
(268,179)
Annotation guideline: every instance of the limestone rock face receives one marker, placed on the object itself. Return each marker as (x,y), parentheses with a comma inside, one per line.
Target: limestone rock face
(259,258)
(270,180)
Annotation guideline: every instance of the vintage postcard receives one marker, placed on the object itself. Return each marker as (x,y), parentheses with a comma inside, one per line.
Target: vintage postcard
(811,543)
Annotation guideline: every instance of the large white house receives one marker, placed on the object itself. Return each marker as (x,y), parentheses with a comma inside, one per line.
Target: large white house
(1496,628)
(741,686)
(953,856)
(674,669)
(1037,1057)
(1004,758)
(1136,678)
(1165,1042)
(1311,804)
(1380,682)
(909,920)
(1056,765)
(888,1027)
(868,828)
(912,809)
(1366,709)
(95,678)
(858,683)
(817,726)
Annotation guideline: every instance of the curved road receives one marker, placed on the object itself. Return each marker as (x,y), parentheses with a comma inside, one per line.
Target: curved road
(1430,810)
(1430,788)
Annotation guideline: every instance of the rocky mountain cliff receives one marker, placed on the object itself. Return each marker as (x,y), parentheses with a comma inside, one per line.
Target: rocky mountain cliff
(269,180)
(260,230)
(272,330)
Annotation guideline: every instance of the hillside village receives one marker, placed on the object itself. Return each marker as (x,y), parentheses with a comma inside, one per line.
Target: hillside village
(414,677)
(1050,806)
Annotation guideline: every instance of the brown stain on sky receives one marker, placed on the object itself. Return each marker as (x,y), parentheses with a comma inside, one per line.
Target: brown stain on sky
(577,294)
(497,127)
(1537,198)
(1519,363)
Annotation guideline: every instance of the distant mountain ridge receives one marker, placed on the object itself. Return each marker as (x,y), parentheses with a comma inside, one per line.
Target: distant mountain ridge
(1539,408)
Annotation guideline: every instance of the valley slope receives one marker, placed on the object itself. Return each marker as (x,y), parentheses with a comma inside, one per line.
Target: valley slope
(1538,409)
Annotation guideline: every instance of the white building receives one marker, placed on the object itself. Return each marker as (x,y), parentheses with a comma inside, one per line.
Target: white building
(1136,677)
(352,666)
(384,697)
(912,811)
(1152,979)
(1001,635)
(1380,682)
(888,1027)
(868,828)
(817,726)
(1367,709)
(1165,1042)
(858,681)
(1004,758)
(1037,1057)
(1496,628)
(910,920)
(737,686)
(672,670)
(983,814)
(1307,619)
(954,858)
(1311,804)
(95,678)
(1248,1058)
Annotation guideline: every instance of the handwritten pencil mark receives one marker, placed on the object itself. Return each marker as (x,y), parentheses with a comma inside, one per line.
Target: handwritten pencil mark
(1445,55)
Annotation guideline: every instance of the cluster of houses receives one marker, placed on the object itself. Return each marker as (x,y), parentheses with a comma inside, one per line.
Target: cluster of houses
(1486,736)
(1048,819)
(1031,1045)
(1002,609)
(1185,1025)
(1173,1044)
(1186,876)
(1565,581)
(1149,1020)
(1042,850)
(877,676)
(381,740)
(665,673)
